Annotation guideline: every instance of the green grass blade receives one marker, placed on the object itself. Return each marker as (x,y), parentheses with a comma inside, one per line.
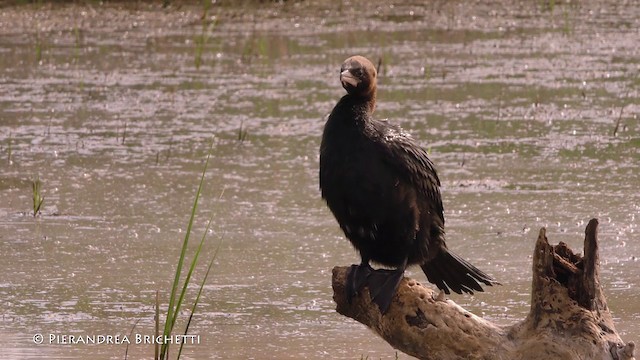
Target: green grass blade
(172,312)
(126,351)
(204,280)
(187,280)
(156,346)
(36,186)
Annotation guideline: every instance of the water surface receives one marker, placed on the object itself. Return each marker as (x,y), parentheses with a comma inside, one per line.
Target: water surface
(114,108)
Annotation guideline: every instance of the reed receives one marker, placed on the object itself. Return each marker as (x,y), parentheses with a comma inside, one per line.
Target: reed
(10,150)
(203,37)
(178,292)
(619,119)
(38,47)
(242,132)
(38,199)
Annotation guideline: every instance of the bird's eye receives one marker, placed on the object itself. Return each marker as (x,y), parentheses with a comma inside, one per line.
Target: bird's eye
(357,72)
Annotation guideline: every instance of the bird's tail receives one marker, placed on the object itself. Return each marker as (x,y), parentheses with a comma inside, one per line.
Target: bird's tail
(449,271)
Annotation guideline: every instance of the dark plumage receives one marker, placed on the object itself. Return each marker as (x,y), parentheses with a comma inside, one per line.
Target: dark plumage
(385,193)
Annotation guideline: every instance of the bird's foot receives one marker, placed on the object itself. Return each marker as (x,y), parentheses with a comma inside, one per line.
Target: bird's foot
(357,279)
(383,284)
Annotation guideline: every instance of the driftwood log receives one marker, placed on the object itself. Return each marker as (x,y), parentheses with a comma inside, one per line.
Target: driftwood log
(569,318)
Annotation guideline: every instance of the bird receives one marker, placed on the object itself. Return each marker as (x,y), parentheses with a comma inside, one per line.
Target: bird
(384,192)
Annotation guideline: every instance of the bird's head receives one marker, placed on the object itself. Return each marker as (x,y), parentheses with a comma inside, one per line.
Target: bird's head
(358,76)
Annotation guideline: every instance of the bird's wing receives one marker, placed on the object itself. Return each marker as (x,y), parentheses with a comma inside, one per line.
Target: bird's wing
(410,160)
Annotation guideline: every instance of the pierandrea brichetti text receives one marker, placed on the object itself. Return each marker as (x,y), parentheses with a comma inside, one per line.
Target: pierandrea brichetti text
(79,339)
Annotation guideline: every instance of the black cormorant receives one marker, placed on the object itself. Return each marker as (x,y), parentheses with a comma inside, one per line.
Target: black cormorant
(385,193)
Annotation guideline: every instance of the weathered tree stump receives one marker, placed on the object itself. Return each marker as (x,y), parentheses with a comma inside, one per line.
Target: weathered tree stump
(569,318)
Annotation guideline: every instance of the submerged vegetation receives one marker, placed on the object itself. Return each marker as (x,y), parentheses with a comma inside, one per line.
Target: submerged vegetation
(38,199)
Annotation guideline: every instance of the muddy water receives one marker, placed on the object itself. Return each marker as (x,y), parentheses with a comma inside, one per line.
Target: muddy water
(114,110)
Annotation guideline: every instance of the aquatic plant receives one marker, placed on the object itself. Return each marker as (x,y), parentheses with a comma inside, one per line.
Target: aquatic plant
(617,127)
(256,44)
(10,151)
(242,132)
(203,37)
(548,5)
(567,23)
(175,301)
(161,349)
(567,26)
(126,352)
(124,133)
(38,199)
(426,72)
(77,48)
(38,47)
(170,148)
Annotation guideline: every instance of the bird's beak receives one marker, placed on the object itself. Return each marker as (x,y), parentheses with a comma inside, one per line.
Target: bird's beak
(347,78)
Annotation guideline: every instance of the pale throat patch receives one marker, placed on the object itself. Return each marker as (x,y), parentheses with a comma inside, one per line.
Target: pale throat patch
(347,78)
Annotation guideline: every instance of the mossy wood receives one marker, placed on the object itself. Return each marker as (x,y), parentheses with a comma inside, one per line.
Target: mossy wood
(569,317)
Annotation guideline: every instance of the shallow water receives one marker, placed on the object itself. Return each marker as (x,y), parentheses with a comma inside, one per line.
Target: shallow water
(517,103)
